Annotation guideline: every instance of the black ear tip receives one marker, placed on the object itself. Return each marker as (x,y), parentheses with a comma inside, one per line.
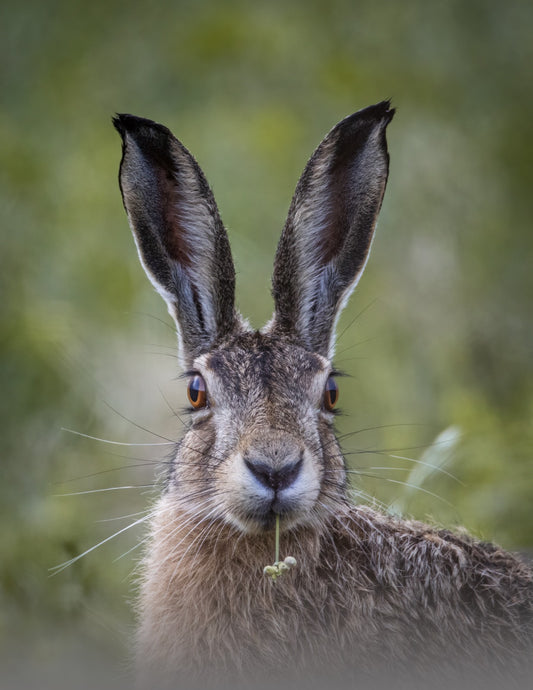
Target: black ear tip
(124,122)
(118,123)
(388,111)
(137,126)
(379,111)
(374,116)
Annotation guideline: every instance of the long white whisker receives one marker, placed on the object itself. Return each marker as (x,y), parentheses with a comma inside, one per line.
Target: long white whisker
(411,486)
(152,535)
(419,488)
(116,443)
(110,488)
(124,517)
(191,518)
(206,517)
(198,536)
(139,426)
(428,464)
(205,532)
(59,568)
(171,534)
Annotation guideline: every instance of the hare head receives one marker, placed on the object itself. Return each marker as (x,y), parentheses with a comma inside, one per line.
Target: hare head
(261,442)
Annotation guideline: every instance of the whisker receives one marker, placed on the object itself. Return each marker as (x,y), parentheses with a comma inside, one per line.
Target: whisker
(133,548)
(388,468)
(99,491)
(144,463)
(123,517)
(153,534)
(162,354)
(382,426)
(139,426)
(411,486)
(156,318)
(356,344)
(363,310)
(176,547)
(55,570)
(423,446)
(170,406)
(115,443)
(212,526)
(213,511)
(433,467)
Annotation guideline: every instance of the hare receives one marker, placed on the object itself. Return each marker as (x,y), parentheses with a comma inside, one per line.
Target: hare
(370,594)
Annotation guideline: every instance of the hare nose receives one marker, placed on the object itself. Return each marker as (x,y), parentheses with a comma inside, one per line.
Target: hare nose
(276,478)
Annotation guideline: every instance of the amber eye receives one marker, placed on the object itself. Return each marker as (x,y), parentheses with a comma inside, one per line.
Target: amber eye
(196,392)
(331,394)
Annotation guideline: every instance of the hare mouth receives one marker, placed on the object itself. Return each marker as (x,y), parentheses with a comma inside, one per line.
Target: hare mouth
(261,517)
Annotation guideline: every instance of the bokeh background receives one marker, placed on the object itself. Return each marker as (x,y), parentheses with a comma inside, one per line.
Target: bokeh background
(437,335)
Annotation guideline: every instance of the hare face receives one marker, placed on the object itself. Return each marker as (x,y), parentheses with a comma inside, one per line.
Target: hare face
(263,444)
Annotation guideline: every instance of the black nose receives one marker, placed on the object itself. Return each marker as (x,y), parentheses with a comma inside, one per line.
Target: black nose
(276,478)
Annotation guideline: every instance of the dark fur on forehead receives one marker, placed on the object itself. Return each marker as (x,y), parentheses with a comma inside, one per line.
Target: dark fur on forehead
(262,354)
(260,347)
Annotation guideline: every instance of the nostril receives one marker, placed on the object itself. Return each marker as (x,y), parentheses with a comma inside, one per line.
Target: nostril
(276,478)
(289,473)
(261,471)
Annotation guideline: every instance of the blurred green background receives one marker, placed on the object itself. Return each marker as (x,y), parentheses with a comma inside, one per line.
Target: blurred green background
(437,334)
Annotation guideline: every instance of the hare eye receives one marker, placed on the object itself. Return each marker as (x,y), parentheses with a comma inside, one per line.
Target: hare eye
(196,392)
(331,394)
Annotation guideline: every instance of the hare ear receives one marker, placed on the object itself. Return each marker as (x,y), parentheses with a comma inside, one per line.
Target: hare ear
(180,237)
(326,240)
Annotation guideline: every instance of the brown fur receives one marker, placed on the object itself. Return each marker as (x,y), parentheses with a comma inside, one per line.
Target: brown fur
(370,593)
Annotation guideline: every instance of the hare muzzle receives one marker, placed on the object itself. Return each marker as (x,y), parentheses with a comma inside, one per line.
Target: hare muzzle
(278,478)
(271,473)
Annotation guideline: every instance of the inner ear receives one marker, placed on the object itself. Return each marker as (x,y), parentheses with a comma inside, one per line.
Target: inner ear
(347,172)
(326,240)
(175,238)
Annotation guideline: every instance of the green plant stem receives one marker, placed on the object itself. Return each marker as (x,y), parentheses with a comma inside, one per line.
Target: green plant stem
(276,559)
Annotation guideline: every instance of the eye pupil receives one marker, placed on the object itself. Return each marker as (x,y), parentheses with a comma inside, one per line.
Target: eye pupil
(196,392)
(331,395)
